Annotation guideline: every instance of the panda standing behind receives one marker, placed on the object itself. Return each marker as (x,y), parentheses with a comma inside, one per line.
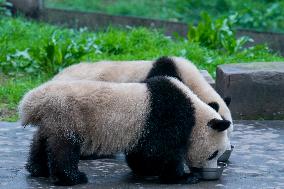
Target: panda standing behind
(140,70)
(158,124)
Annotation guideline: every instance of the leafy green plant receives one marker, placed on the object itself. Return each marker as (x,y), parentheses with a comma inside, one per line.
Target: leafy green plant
(4,8)
(18,62)
(218,34)
(60,52)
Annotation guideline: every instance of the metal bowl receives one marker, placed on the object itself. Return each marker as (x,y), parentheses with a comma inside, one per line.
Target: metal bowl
(226,155)
(209,173)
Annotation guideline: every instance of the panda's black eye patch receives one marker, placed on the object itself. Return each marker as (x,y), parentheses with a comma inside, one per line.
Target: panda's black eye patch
(212,156)
(214,105)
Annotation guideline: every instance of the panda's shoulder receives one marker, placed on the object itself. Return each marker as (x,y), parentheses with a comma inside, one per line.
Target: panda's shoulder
(164,66)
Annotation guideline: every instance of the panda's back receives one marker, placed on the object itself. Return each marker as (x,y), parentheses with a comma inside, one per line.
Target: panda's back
(108,116)
(112,71)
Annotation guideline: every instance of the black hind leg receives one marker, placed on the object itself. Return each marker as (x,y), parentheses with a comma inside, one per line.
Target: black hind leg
(63,158)
(37,160)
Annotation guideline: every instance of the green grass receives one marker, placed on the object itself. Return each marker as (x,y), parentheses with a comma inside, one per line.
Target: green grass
(31,53)
(11,91)
(259,14)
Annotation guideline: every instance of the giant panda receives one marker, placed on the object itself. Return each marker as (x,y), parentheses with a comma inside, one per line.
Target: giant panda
(139,71)
(158,124)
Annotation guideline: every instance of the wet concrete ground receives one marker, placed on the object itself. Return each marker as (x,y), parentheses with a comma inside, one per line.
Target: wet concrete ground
(257,162)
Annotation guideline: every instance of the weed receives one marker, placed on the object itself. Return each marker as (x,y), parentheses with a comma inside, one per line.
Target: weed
(218,34)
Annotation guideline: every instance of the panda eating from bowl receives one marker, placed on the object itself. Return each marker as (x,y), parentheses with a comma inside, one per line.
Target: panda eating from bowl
(159,124)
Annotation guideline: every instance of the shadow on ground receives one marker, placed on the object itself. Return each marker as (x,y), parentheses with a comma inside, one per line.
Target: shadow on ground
(257,162)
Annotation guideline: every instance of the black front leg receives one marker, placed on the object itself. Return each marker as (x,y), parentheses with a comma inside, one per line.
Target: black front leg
(172,172)
(169,171)
(141,165)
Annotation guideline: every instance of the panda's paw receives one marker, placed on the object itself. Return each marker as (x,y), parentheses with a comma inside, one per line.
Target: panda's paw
(79,178)
(191,179)
(37,170)
(82,178)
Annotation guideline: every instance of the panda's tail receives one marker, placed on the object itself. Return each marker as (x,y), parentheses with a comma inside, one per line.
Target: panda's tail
(29,108)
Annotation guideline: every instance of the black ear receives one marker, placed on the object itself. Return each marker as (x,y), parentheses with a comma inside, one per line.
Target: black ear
(214,105)
(219,125)
(227,100)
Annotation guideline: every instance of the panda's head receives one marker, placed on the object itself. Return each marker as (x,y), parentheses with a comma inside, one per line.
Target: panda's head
(209,139)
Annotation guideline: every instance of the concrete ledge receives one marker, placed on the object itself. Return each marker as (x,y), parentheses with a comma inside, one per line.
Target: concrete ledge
(95,21)
(256,89)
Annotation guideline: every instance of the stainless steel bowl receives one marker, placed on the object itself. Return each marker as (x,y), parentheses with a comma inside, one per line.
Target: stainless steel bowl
(209,173)
(226,155)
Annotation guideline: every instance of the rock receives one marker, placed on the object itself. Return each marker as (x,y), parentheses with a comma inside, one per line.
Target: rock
(256,89)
